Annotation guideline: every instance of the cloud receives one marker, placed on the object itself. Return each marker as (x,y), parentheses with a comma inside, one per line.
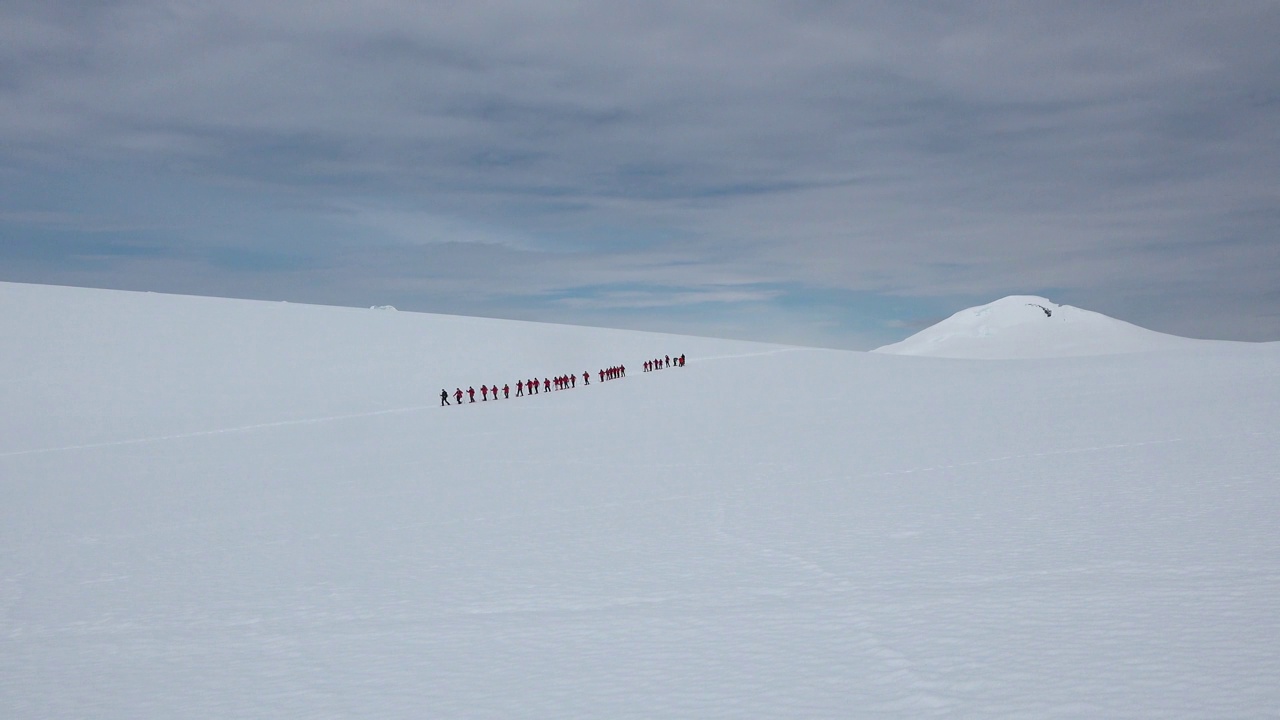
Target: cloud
(476,154)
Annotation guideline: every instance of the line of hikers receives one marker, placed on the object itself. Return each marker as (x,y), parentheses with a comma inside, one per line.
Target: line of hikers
(658,363)
(533,386)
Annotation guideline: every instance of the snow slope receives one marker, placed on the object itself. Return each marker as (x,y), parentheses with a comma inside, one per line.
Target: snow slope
(216,508)
(1027,326)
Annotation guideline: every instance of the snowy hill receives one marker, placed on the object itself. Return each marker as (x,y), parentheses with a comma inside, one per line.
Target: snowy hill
(217,508)
(1027,326)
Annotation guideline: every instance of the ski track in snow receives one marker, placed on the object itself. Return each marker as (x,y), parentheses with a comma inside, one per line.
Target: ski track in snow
(738,356)
(308,421)
(218,431)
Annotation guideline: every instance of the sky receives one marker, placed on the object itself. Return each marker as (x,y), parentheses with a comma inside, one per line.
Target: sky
(823,173)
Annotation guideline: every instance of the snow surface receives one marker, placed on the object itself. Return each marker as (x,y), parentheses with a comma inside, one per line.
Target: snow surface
(1031,327)
(228,509)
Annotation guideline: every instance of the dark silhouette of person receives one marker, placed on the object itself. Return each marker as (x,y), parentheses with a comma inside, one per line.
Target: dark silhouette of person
(444,398)
(519,388)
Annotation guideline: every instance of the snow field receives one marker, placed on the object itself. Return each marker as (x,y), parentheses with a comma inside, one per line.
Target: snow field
(230,509)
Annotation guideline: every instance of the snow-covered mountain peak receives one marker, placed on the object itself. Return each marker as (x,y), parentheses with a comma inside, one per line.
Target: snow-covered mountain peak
(1029,326)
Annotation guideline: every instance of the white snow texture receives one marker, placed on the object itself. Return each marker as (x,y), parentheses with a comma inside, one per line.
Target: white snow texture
(1026,326)
(216,508)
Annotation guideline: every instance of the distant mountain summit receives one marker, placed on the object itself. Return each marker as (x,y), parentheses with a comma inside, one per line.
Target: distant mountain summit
(1027,326)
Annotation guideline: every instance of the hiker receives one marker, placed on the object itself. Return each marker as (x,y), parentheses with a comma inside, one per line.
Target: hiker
(546,384)
(519,388)
(484,392)
(444,398)
(471,393)
(586,377)
(458,396)
(506,391)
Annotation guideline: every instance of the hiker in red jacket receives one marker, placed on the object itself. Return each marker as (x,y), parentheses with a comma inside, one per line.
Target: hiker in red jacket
(546,384)
(586,377)
(484,392)
(458,396)
(471,392)
(519,388)
(506,391)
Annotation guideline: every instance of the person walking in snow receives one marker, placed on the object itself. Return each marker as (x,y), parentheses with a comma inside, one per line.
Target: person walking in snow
(484,392)
(519,388)
(506,391)
(457,395)
(444,398)
(546,384)
(586,377)
(471,393)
